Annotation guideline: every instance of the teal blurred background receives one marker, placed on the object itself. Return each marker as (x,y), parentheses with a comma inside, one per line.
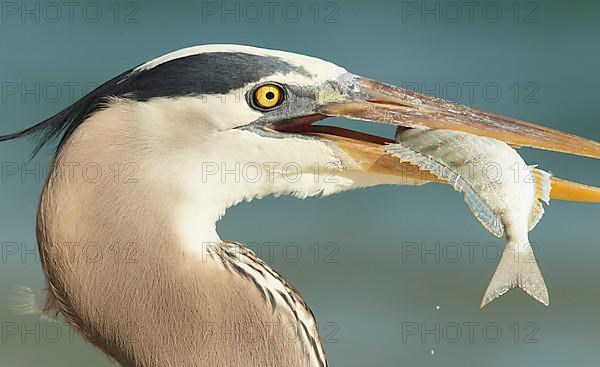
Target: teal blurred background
(386,270)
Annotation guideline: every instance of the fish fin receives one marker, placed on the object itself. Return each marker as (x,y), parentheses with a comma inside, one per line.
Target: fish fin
(482,211)
(24,300)
(517,269)
(543,186)
(484,214)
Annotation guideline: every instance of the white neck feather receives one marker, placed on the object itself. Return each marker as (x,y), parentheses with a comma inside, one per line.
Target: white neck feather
(239,165)
(209,168)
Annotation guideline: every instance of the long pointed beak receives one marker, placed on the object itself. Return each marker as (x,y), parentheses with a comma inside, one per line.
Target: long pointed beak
(379,102)
(365,150)
(369,100)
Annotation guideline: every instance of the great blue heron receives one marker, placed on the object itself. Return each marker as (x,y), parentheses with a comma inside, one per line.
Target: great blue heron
(160,124)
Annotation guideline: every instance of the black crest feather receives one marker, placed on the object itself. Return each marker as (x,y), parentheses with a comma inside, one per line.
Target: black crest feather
(204,73)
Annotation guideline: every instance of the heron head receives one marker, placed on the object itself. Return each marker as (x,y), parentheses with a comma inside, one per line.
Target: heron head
(265,106)
(224,105)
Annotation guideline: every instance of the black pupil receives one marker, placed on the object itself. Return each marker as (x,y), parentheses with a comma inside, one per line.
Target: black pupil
(270,95)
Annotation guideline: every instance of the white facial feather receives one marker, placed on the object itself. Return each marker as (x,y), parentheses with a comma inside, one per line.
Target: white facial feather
(218,166)
(215,167)
(239,165)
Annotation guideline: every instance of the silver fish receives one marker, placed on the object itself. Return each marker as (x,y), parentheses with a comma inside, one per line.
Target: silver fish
(502,191)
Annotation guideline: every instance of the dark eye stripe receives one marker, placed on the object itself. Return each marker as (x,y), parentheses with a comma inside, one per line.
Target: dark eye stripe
(205,73)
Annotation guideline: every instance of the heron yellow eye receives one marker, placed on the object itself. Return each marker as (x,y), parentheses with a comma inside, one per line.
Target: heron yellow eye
(268,96)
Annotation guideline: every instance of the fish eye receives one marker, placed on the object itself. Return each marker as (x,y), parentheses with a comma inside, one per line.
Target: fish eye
(268,96)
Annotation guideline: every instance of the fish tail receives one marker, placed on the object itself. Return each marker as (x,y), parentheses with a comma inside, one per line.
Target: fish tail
(517,268)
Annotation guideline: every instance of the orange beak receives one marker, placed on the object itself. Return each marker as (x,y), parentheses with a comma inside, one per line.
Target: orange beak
(364,99)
